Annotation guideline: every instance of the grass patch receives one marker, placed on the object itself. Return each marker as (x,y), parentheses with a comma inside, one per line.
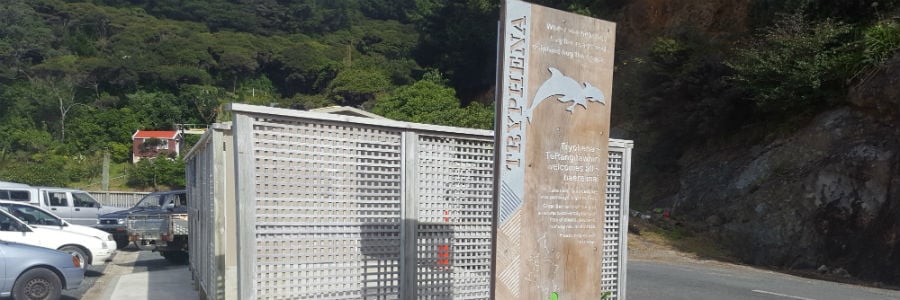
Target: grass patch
(117,180)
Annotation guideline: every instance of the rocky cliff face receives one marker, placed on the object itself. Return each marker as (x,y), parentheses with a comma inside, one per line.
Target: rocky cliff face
(644,20)
(827,194)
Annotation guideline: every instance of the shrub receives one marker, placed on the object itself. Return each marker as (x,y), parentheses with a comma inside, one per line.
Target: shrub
(880,42)
(795,64)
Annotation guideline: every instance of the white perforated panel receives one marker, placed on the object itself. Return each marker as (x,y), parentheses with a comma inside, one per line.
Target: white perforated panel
(612,230)
(328,211)
(453,241)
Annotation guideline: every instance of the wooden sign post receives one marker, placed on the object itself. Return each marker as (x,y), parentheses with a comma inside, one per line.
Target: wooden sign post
(552,134)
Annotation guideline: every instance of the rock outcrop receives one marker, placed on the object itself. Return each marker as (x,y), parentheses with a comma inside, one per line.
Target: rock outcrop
(828,193)
(823,193)
(644,20)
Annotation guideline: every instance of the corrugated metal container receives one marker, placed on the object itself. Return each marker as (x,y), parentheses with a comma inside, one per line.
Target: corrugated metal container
(303,205)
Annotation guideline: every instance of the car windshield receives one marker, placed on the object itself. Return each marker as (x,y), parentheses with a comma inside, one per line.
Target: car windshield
(32,215)
(150,201)
(8,223)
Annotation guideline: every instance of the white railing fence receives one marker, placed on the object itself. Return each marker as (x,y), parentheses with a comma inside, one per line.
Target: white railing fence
(118,199)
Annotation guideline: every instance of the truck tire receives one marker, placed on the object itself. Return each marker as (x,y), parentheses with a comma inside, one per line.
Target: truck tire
(175,257)
(122,242)
(37,284)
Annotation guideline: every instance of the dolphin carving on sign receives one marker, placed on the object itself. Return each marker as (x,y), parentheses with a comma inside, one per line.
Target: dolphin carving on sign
(566,90)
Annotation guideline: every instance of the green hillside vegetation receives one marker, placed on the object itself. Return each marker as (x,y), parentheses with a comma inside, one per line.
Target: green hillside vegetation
(77,78)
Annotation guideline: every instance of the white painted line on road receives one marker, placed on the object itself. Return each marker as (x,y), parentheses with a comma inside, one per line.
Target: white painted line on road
(782,295)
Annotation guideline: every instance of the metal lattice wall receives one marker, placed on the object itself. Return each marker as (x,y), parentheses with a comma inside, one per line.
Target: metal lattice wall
(337,207)
(327,210)
(615,242)
(453,236)
(211,227)
(198,172)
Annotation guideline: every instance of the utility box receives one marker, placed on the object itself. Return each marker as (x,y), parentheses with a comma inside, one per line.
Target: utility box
(306,205)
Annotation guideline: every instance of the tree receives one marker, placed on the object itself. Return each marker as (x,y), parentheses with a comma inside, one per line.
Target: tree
(459,38)
(430,101)
(304,68)
(62,91)
(387,9)
(24,38)
(44,171)
(259,91)
(353,87)
(205,99)
(94,129)
(155,172)
(85,167)
(307,102)
(156,110)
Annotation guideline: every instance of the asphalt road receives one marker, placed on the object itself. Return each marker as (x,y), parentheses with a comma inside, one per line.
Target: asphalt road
(126,261)
(646,280)
(658,280)
(91,275)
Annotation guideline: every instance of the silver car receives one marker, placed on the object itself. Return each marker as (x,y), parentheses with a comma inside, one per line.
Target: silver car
(30,272)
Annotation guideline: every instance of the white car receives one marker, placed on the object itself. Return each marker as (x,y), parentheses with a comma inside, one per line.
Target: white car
(89,249)
(39,217)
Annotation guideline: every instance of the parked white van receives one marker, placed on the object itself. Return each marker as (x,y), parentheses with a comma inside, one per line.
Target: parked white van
(90,249)
(75,206)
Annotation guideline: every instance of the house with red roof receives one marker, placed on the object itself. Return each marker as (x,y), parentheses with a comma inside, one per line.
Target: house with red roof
(153,143)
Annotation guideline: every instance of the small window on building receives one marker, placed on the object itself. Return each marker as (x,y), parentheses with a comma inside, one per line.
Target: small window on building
(164,145)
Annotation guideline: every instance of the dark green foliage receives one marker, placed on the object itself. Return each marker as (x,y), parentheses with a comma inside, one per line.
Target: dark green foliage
(24,38)
(306,102)
(430,101)
(881,41)
(267,17)
(796,64)
(157,172)
(387,9)
(303,68)
(80,76)
(40,171)
(85,167)
(764,12)
(353,87)
(156,110)
(459,38)
(603,9)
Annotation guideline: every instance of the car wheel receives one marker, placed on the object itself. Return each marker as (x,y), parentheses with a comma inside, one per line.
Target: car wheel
(37,283)
(122,242)
(77,252)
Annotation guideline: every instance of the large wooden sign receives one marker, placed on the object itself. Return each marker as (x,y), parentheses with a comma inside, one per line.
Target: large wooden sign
(552,129)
